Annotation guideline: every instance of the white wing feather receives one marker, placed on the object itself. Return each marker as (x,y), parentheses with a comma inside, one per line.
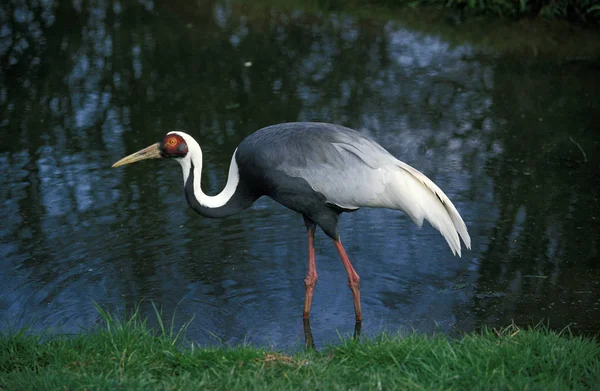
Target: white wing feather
(379,180)
(422,199)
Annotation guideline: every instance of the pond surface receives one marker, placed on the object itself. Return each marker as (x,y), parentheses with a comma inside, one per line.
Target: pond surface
(511,139)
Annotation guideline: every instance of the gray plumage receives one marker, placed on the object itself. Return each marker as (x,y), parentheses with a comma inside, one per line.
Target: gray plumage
(321,170)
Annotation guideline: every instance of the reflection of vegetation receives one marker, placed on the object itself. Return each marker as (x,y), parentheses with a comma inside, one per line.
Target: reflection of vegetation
(524,37)
(129,355)
(575,10)
(547,196)
(579,10)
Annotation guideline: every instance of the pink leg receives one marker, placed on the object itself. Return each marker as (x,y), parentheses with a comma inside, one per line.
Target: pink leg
(353,279)
(311,277)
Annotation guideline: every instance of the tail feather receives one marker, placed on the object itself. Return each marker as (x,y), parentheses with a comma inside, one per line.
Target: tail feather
(427,201)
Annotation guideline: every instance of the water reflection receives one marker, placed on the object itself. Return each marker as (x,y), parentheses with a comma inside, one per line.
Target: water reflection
(84,83)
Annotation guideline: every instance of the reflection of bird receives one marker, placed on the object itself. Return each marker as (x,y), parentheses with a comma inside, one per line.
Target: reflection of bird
(319,170)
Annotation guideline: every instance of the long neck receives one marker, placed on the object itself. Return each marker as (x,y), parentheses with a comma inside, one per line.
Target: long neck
(234,198)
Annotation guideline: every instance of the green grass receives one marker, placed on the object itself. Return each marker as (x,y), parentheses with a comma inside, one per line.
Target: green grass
(129,355)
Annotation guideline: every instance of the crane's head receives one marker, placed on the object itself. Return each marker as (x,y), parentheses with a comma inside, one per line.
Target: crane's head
(172,146)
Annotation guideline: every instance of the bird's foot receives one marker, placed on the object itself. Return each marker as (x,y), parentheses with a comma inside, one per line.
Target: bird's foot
(309,343)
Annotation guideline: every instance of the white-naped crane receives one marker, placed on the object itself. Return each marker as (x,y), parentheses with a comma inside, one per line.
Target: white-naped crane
(318,170)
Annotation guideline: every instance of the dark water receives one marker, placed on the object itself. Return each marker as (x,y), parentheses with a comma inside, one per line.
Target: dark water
(511,139)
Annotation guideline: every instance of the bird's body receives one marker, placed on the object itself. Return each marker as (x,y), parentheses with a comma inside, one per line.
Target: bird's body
(318,170)
(321,170)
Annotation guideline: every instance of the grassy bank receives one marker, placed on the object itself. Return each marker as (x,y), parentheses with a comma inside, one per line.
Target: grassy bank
(129,355)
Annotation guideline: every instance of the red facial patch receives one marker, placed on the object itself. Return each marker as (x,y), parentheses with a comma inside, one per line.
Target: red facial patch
(174,145)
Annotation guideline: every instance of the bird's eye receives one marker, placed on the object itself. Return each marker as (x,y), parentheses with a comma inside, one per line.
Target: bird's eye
(172,141)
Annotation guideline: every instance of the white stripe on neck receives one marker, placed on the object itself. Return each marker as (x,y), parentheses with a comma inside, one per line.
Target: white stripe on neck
(194,156)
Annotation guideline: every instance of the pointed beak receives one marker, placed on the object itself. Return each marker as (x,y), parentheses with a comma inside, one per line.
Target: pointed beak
(151,152)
